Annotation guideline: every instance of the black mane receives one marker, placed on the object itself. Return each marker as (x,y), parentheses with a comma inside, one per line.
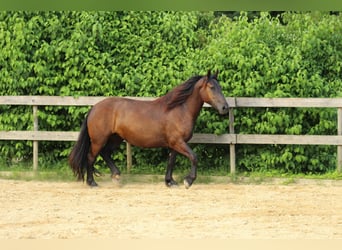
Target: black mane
(179,94)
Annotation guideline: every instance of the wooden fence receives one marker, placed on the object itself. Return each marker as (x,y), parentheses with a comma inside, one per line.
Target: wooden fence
(230,138)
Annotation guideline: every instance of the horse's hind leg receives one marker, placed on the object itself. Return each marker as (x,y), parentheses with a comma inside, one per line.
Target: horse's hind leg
(95,148)
(106,152)
(169,181)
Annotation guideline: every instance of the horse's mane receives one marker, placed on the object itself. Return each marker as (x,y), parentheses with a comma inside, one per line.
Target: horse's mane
(179,94)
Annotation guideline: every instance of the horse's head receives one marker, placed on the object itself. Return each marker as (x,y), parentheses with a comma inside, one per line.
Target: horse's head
(211,93)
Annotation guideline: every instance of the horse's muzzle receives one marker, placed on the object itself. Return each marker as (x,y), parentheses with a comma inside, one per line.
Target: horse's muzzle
(224,109)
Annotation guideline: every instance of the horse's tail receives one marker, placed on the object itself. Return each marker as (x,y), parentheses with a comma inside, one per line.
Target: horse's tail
(78,158)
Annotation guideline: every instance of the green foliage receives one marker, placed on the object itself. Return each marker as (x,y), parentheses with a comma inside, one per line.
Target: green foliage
(265,58)
(148,53)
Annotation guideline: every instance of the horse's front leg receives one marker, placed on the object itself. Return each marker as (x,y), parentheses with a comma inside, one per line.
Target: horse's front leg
(191,177)
(169,181)
(185,150)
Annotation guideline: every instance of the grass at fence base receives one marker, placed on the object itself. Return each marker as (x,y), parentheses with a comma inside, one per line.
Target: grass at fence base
(64,174)
(146,174)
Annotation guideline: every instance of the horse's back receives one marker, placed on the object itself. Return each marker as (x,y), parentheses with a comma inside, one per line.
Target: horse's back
(139,122)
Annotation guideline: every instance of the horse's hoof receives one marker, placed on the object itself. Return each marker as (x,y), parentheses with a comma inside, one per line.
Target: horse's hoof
(116,177)
(97,173)
(186,184)
(92,184)
(171,184)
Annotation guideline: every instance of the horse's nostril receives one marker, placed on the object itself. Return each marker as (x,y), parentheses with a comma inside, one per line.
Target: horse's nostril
(225,109)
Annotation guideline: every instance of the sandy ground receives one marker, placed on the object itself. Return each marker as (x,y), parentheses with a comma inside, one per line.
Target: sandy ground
(58,210)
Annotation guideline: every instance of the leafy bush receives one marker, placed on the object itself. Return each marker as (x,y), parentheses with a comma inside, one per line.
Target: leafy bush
(265,58)
(148,53)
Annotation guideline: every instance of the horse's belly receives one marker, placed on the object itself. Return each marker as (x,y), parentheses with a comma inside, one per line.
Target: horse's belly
(146,140)
(143,133)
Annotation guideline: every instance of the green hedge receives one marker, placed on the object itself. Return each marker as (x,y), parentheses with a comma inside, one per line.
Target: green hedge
(148,53)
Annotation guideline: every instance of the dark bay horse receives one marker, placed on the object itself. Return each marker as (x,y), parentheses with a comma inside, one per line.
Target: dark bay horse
(167,121)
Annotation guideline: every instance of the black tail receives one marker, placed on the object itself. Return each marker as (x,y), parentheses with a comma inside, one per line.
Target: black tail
(78,158)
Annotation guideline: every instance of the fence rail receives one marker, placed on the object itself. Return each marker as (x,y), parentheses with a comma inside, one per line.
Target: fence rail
(229,138)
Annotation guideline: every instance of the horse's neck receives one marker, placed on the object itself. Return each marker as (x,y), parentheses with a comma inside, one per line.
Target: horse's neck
(194,103)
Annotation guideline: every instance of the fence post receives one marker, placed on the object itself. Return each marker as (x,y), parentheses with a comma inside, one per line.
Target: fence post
(339,147)
(35,143)
(129,156)
(232,145)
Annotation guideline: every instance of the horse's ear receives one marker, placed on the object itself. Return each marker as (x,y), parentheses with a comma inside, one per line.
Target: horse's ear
(216,73)
(209,74)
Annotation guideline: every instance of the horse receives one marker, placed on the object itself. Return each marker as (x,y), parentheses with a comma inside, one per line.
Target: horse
(167,121)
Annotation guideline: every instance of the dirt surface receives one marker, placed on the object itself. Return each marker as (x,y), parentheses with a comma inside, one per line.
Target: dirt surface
(56,210)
